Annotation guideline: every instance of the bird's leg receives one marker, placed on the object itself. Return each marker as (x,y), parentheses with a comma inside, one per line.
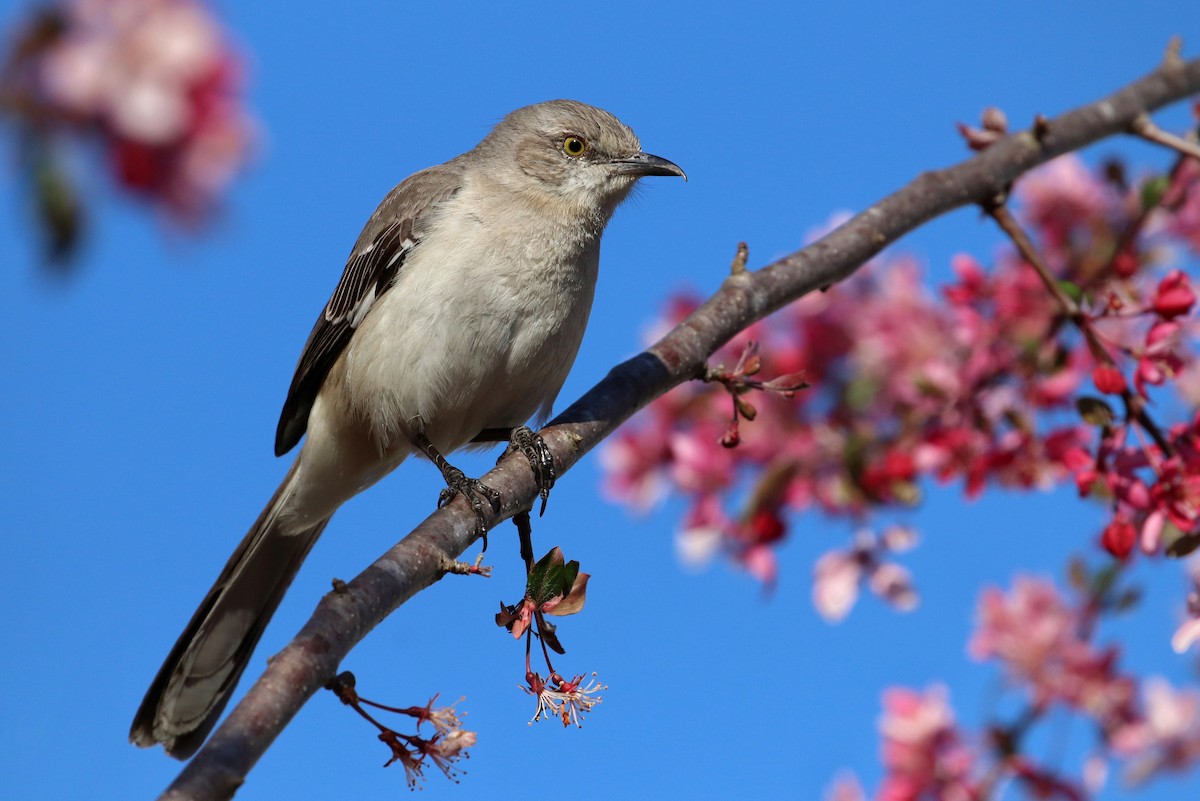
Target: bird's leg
(525,535)
(530,443)
(457,483)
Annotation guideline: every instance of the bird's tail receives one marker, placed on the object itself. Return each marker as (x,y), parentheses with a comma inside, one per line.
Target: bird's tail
(199,676)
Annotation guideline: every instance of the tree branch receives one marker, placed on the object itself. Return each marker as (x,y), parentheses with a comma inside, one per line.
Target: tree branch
(344,617)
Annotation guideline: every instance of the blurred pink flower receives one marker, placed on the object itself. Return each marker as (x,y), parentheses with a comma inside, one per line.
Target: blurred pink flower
(845,787)
(1040,641)
(1182,199)
(839,573)
(1064,199)
(157,83)
(923,753)
(835,584)
(1167,738)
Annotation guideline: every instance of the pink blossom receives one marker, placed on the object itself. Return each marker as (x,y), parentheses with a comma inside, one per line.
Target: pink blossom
(703,530)
(635,464)
(1182,199)
(1038,638)
(839,573)
(845,787)
(923,754)
(1119,537)
(760,562)
(1174,296)
(1108,379)
(1168,737)
(157,83)
(894,584)
(1063,198)
(835,584)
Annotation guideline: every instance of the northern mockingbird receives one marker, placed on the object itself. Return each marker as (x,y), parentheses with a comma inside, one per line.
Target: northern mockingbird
(460,311)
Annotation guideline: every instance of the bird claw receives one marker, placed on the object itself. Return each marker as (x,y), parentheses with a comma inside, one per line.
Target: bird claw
(541,461)
(474,490)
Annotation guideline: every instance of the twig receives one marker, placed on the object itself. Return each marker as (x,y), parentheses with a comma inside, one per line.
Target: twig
(1070,309)
(1135,407)
(1144,127)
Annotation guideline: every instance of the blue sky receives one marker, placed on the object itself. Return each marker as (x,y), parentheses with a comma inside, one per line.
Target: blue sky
(141,397)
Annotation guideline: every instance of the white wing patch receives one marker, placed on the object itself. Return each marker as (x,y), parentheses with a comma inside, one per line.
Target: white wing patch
(361,285)
(364,305)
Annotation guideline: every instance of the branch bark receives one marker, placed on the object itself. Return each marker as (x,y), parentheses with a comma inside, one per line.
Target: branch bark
(345,616)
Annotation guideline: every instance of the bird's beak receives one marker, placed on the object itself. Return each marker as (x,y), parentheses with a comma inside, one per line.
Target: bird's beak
(641,164)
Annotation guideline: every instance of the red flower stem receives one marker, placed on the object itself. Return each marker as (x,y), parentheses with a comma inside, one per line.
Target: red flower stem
(411,711)
(358,708)
(1135,226)
(545,651)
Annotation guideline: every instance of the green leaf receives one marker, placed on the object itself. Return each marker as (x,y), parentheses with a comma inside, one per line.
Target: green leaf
(906,492)
(506,616)
(1095,411)
(550,578)
(860,391)
(574,600)
(1153,190)
(59,208)
(1178,543)
(546,631)
(1071,290)
(1104,581)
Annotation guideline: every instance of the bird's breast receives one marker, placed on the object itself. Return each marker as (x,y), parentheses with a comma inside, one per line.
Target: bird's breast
(480,328)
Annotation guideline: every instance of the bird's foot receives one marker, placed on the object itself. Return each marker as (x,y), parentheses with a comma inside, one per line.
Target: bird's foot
(475,491)
(457,483)
(541,462)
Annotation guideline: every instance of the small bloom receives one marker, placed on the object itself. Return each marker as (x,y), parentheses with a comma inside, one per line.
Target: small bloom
(1174,296)
(1119,538)
(845,787)
(569,701)
(1186,635)
(445,719)
(835,585)
(447,749)
(1108,379)
(766,526)
(894,584)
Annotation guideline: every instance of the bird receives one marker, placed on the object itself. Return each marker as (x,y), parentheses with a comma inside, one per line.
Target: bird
(459,313)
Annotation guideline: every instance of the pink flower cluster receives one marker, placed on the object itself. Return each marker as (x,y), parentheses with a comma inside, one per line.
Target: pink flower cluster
(1045,646)
(839,573)
(985,383)
(155,82)
(923,753)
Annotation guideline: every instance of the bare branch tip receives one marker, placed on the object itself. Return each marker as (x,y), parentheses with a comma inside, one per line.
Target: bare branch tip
(1041,128)
(1144,127)
(740,258)
(465,569)
(1173,55)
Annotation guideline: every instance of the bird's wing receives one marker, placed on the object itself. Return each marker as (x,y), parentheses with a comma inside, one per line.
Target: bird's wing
(390,236)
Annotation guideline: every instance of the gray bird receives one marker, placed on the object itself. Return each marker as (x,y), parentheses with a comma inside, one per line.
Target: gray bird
(460,312)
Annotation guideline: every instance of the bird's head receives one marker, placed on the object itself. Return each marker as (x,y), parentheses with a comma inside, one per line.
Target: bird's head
(566,151)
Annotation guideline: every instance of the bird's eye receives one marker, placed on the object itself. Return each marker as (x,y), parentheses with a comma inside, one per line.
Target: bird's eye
(574,146)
